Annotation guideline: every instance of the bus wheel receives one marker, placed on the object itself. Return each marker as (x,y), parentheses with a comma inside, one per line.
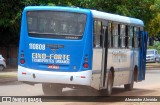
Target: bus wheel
(108,90)
(109,84)
(129,87)
(51,89)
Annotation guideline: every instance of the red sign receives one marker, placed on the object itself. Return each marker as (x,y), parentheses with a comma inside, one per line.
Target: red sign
(53,66)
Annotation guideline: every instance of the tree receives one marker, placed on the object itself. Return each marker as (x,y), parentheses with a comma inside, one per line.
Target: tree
(154,23)
(10,13)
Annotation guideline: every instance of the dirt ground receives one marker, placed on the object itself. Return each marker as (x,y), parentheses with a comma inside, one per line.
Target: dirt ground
(144,90)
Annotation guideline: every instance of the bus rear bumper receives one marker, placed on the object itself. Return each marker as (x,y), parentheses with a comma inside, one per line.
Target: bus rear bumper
(39,76)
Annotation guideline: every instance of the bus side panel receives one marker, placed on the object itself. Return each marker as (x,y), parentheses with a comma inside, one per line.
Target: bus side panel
(96,68)
(121,61)
(23,32)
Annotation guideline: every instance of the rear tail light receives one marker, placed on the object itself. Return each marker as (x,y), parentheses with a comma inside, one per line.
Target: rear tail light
(83,76)
(85,65)
(24,73)
(22,61)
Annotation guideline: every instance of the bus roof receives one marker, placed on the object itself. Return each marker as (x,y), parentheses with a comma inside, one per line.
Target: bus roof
(117,18)
(96,14)
(57,8)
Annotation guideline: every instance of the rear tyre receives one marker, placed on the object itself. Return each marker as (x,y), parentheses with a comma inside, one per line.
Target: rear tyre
(108,91)
(109,84)
(129,87)
(51,89)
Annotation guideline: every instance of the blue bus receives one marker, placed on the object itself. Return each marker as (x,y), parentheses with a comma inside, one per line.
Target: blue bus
(74,47)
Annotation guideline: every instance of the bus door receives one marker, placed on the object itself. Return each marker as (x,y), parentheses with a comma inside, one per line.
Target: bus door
(99,65)
(142,61)
(104,54)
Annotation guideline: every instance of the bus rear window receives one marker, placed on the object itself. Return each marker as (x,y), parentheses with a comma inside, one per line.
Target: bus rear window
(53,24)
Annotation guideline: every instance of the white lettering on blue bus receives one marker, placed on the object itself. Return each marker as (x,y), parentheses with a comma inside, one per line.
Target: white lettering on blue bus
(35,46)
(52,58)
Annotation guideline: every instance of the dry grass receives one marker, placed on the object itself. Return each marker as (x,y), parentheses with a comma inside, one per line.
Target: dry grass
(153,65)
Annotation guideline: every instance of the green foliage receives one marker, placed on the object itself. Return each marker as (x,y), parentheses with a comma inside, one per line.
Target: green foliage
(156,46)
(154,23)
(10,16)
(147,10)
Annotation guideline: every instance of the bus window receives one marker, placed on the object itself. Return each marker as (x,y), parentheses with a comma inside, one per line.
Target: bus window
(43,25)
(54,24)
(97,33)
(130,35)
(109,34)
(32,23)
(136,36)
(115,34)
(140,37)
(126,38)
(122,35)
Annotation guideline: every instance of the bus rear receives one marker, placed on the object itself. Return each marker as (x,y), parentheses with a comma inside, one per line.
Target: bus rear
(55,45)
